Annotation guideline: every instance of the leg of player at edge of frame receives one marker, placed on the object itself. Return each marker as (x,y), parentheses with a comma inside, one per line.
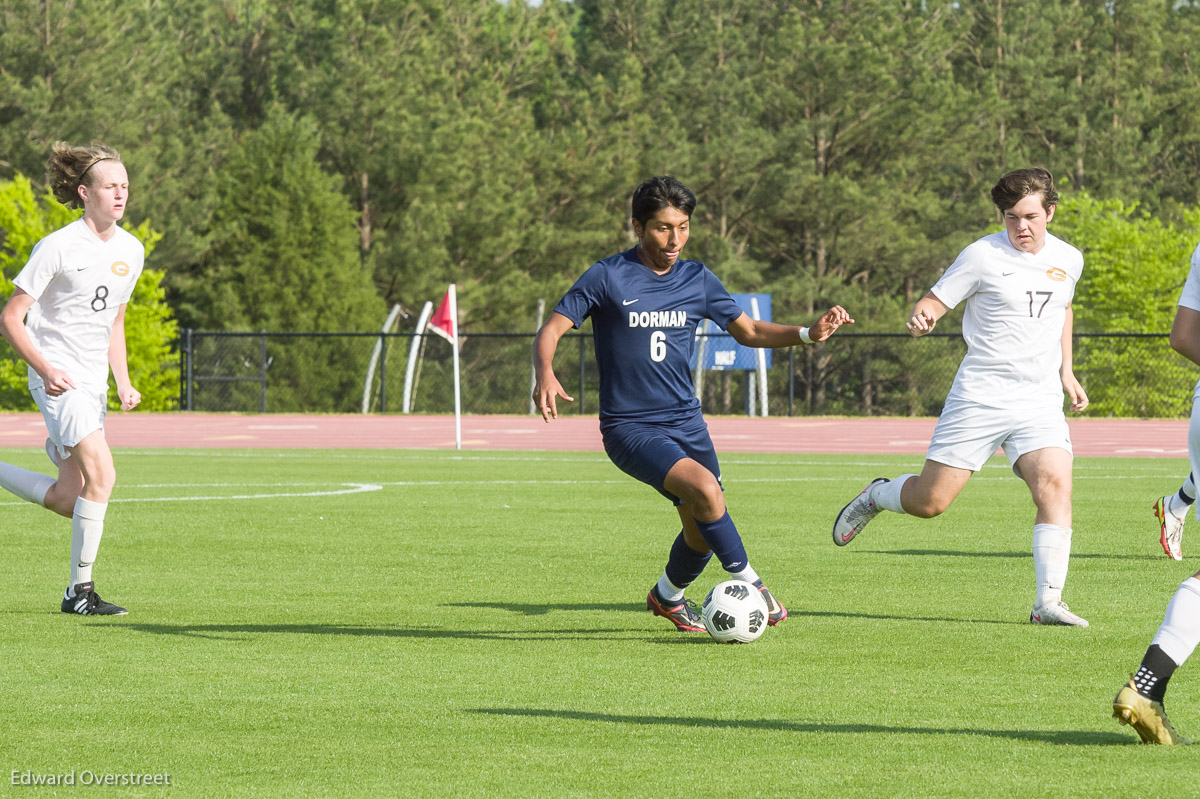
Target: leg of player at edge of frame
(1139,703)
(1171,512)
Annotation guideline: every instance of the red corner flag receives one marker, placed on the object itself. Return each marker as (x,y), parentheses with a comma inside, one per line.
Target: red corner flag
(444,321)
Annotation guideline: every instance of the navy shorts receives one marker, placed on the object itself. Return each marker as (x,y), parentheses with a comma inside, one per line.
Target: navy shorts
(648,451)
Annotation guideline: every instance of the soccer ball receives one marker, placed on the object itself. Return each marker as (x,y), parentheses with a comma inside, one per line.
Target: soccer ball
(734,612)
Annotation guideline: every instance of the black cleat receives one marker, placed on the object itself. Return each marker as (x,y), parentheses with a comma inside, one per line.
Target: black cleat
(682,613)
(775,611)
(87,602)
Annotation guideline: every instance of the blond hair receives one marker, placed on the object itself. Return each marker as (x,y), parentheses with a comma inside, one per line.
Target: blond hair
(69,167)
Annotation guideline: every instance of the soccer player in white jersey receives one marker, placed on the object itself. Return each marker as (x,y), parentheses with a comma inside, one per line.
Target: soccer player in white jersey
(66,319)
(1018,285)
(1140,702)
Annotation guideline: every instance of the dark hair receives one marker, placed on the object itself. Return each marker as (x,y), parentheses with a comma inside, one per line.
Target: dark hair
(1020,183)
(69,167)
(658,193)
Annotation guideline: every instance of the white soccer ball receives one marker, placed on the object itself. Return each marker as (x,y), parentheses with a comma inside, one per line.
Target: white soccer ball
(734,612)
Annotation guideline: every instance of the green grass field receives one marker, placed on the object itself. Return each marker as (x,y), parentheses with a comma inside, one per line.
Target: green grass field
(474,625)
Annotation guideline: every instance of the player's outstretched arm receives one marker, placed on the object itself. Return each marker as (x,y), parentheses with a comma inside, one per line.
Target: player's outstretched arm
(546,388)
(755,333)
(829,322)
(925,314)
(1185,334)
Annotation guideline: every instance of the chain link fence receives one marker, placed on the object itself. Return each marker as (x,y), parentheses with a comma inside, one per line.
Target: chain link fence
(854,374)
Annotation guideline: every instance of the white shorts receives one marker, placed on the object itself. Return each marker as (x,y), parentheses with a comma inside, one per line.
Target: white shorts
(967,433)
(71,416)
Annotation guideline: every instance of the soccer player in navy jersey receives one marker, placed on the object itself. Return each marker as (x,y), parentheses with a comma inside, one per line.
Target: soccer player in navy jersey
(645,304)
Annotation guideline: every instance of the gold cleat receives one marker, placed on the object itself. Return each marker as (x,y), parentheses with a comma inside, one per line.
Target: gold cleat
(1146,716)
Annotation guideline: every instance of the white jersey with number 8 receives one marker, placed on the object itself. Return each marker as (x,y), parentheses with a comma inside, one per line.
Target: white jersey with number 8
(79,283)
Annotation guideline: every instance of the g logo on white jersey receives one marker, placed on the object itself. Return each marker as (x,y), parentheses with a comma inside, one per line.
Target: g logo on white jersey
(120,269)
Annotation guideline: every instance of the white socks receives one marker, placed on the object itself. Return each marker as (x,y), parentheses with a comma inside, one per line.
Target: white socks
(1051,555)
(1180,630)
(887,495)
(29,486)
(746,575)
(87,526)
(668,590)
(1051,544)
(1176,506)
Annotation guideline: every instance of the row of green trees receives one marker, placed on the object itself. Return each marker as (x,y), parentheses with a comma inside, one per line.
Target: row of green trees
(310,163)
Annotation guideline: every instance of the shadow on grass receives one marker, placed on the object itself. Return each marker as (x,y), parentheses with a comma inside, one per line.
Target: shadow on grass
(539,610)
(793,614)
(1056,737)
(233,632)
(950,553)
(889,617)
(530,609)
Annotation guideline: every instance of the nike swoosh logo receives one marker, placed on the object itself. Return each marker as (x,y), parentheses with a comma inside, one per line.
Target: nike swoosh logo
(80,268)
(1006,274)
(629,302)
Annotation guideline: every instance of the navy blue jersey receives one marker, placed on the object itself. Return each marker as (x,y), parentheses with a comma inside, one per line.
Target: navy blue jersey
(645,326)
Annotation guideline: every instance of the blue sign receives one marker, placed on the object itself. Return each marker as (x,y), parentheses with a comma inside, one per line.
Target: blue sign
(719,349)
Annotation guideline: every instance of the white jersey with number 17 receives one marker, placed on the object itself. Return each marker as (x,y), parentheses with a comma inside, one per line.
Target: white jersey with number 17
(1016,308)
(79,283)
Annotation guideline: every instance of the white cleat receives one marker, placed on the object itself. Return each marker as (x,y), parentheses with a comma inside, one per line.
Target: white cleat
(1170,529)
(856,514)
(1056,613)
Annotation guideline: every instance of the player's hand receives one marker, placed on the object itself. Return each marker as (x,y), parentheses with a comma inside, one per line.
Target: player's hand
(129,396)
(57,382)
(829,322)
(1075,392)
(546,392)
(921,323)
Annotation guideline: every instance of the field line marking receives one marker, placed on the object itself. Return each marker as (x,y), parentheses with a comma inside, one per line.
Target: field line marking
(351,488)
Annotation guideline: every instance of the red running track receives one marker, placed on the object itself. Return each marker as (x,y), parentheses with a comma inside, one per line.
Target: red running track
(1092,437)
